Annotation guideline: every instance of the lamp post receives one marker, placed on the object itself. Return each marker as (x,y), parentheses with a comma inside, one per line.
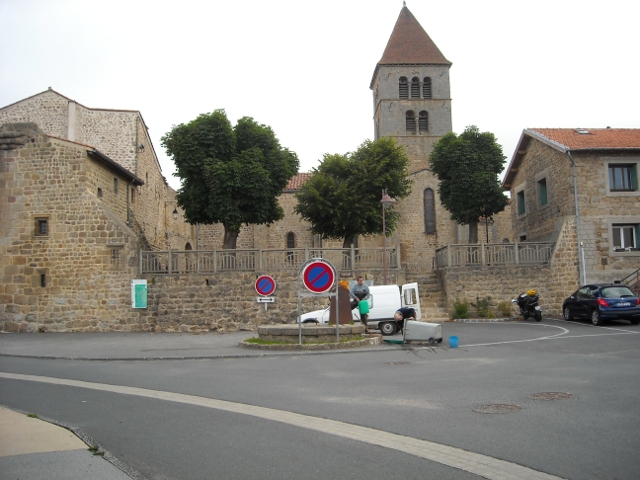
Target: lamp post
(385,201)
(175,213)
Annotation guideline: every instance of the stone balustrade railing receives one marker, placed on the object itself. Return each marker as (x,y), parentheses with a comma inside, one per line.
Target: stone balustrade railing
(257,260)
(519,253)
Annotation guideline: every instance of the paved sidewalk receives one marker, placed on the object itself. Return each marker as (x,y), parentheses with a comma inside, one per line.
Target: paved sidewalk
(36,450)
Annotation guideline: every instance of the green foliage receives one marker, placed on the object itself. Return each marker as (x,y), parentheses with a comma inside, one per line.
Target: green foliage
(483,306)
(461,309)
(342,198)
(230,174)
(467,167)
(504,308)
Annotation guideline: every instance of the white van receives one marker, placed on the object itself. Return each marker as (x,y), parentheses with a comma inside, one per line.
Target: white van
(384,301)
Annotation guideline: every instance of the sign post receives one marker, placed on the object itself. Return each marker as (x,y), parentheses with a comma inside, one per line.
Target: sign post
(265,286)
(319,277)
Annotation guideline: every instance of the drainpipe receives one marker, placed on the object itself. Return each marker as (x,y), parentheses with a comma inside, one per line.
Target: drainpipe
(581,265)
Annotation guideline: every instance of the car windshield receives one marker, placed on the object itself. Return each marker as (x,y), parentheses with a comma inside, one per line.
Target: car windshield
(616,292)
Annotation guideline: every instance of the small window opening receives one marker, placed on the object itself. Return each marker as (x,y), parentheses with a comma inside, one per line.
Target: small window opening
(415,87)
(423,122)
(42,227)
(43,280)
(403,87)
(522,238)
(521,204)
(426,87)
(542,191)
(411,123)
(291,243)
(99,192)
(429,211)
(115,186)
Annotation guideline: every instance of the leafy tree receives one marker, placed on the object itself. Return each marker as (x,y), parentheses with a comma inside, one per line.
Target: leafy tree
(342,198)
(467,167)
(230,175)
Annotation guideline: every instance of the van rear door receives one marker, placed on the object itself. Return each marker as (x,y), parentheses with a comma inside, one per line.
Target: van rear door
(410,298)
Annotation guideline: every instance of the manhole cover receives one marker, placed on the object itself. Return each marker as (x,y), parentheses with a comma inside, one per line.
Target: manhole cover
(397,363)
(499,408)
(550,396)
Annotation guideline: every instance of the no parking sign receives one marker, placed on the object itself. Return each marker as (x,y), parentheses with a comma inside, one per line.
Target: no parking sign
(318,276)
(265,285)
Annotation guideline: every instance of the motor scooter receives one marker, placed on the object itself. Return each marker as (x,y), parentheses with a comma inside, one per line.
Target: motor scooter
(528,304)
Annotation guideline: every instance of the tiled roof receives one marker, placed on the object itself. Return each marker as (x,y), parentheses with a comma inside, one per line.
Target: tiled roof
(410,44)
(595,139)
(297,181)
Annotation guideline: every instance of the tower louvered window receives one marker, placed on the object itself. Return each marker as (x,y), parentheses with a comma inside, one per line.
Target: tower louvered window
(411,122)
(403,88)
(415,87)
(429,211)
(426,87)
(423,122)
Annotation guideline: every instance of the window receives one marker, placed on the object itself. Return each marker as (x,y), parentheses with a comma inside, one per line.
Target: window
(291,243)
(403,88)
(423,122)
(623,178)
(415,87)
(115,257)
(115,186)
(426,87)
(429,211)
(43,280)
(411,122)
(542,192)
(99,192)
(625,236)
(520,200)
(41,227)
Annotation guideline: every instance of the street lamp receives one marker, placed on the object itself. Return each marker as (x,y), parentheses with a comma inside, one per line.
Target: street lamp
(175,213)
(386,201)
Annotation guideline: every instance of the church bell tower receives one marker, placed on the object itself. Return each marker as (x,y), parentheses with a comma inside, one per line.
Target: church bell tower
(411,94)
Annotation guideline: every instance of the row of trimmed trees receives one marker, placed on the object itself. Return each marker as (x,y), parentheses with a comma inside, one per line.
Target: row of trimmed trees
(233,175)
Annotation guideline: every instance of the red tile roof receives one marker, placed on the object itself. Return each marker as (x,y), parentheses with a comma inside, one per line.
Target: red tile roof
(410,44)
(595,139)
(297,181)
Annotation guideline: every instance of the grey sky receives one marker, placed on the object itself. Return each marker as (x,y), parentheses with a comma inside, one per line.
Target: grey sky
(304,68)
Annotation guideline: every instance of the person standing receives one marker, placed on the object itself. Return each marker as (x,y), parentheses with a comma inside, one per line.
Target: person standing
(360,292)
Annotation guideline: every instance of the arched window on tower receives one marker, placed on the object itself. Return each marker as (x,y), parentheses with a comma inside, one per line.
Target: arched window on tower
(423,122)
(415,87)
(403,88)
(411,123)
(291,243)
(429,211)
(426,88)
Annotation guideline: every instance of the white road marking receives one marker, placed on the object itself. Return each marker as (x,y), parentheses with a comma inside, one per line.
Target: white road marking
(478,464)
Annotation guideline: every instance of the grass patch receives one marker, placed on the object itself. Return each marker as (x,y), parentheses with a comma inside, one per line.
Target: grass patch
(96,451)
(32,415)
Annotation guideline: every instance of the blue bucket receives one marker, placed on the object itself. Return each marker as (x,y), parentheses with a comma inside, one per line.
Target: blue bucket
(453,342)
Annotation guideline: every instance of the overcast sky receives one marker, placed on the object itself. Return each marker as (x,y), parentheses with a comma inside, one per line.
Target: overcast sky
(304,68)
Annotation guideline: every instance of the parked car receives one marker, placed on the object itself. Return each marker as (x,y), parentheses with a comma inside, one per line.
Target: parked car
(601,302)
(384,301)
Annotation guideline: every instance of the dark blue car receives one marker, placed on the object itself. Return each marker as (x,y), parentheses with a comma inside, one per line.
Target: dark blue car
(601,302)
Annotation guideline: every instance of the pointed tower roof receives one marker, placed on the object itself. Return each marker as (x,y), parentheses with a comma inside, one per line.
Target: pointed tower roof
(409,44)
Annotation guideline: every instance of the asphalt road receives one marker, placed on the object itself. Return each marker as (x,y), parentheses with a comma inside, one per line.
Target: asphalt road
(404,394)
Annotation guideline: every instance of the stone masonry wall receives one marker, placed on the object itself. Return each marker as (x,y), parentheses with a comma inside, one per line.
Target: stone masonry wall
(76,275)
(554,282)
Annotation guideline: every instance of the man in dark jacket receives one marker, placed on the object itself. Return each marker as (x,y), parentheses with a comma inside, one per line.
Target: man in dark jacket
(402,314)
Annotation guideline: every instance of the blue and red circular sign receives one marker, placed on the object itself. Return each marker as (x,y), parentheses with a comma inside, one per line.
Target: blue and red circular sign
(318,277)
(265,285)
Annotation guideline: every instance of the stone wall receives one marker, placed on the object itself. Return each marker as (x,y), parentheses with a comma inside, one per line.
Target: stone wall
(75,275)
(554,281)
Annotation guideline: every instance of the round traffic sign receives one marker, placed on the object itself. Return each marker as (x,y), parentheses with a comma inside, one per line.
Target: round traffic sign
(265,285)
(318,276)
